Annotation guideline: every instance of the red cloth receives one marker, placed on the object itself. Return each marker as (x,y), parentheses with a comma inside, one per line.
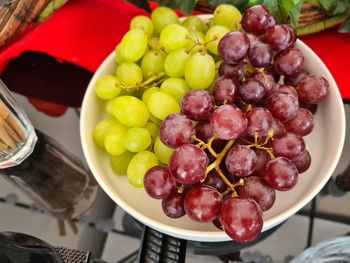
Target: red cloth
(84,32)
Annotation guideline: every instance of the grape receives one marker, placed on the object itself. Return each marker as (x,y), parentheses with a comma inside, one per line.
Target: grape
(288,89)
(120,163)
(293,34)
(202,203)
(302,124)
(153,129)
(289,62)
(253,39)
(278,128)
(196,42)
(217,224)
(214,180)
(118,56)
(139,165)
(258,189)
(161,104)
(295,80)
(302,161)
(133,45)
(175,87)
(229,122)
(173,206)
(163,16)
(174,64)
(194,23)
(283,106)
(204,132)
(260,55)
(262,158)
(311,107)
(173,37)
(271,70)
(289,145)
(225,90)
(175,130)
(147,93)
(137,139)
(200,71)
(198,105)
(240,160)
(234,71)
(257,20)
(281,174)
(99,132)
(129,73)
(113,139)
(110,107)
(142,22)
(130,111)
(259,121)
(159,183)
(233,47)
(268,82)
(188,164)
(279,37)
(252,91)
(313,89)
(241,219)
(152,63)
(162,151)
(155,120)
(213,36)
(227,15)
(106,87)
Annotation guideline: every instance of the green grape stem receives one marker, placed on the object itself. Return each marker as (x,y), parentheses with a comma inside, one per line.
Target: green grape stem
(152,81)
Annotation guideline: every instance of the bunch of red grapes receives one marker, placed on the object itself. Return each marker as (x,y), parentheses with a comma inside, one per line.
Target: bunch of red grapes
(237,146)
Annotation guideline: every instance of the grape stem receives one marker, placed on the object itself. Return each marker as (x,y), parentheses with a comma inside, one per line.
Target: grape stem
(207,145)
(152,81)
(154,44)
(261,146)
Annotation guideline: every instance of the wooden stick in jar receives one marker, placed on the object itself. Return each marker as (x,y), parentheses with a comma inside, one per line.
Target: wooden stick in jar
(5,137)
(7,115)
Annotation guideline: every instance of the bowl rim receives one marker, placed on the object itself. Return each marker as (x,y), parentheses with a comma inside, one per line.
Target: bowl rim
(196,235)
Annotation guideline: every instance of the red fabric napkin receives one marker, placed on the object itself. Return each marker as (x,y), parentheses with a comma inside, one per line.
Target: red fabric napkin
(84,32)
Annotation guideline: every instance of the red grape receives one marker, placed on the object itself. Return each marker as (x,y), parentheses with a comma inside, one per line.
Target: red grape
(289,62)
(302,124)
(253,39)
(268,82)
(258,189)
(232,70)
(262,158)
(281,174)
(278,128)
(313,89)
(279,37)
(241,219)
(188,163)
(233,47)
(295,80)
(159,183)
(225,90)
(173,206)
(302,161)
(311,107)
(289,145)
(283,106)
(259,121)
(240,160)
(197,105)
(260,55)
(176,129)
(287,89)
(229,122)
(257,20)
(202,203)
(213,179)
(204,132)
(251,91)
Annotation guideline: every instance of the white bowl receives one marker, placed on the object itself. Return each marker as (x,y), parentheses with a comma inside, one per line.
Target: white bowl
(325,145)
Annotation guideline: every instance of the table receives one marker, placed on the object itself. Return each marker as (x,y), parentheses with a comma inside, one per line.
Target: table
(111,235)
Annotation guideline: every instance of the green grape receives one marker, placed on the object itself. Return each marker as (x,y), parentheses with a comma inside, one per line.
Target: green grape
(118,56)
(228,16)
(196,42)
(162,151)
(139,165)
(174,64)
(133,45)
(129,73)
(148,93)
(131,111)
(142,22)
(194,23)
(200,71)
(173,37)
(155,120)
(161,104)
(120,163)
(152,63)
(163,16)
(110,107)
(137,139)
(106,87)
(99,132)
(153,129)
(175,87)
(114,139)
(213,36)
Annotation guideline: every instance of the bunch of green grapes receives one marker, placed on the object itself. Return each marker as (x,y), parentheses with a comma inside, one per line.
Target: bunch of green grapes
(158,61)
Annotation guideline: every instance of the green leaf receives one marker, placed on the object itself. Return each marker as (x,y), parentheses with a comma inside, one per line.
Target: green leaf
(240,4)
(143,4)
(345,27)
(294,14)
(273,6)
(186,7)
(335,7)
